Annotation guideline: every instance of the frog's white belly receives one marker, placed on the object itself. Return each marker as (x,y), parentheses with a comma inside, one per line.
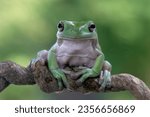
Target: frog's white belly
(74,53)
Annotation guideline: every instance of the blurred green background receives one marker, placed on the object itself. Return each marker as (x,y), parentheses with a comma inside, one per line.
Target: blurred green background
(27,26)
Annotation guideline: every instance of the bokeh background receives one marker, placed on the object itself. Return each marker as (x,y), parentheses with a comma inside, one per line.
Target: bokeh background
(123,26)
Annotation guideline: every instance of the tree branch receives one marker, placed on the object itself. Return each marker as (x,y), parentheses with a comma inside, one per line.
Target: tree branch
(11,73)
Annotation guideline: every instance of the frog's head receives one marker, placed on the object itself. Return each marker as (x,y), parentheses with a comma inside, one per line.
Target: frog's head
(76,30)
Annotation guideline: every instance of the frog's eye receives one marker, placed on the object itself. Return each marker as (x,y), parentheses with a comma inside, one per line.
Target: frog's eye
(91,27)
(60,26)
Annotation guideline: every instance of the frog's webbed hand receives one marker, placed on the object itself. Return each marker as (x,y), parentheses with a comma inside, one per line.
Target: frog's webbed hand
(105,76)
(54,69)
(61,78)
(86,73)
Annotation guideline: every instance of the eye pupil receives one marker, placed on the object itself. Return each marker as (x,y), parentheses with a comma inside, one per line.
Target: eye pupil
(60,26)
(92,27)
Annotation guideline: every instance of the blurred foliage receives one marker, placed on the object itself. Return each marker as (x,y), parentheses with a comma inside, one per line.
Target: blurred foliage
(27,26)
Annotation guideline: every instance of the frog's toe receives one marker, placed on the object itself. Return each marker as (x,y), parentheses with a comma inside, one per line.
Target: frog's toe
(60,85)
(86,74)
(106,80)
(108,84)
(65,82)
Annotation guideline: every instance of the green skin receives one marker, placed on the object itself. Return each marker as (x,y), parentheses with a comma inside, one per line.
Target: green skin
(72,30)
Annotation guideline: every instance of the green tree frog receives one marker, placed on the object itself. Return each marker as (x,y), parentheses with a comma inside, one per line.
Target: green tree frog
(78,54)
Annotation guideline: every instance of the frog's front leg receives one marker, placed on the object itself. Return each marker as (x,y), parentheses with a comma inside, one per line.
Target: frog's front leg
(92,72)
(55,70)
(101,68)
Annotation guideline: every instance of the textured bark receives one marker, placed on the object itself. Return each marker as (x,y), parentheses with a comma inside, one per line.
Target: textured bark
(38,73)
(11,73)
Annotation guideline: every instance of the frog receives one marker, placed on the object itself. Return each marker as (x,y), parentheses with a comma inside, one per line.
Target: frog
(78,54)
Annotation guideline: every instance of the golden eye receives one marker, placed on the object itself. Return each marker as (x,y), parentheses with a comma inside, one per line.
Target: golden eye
(91,27)
(60,26)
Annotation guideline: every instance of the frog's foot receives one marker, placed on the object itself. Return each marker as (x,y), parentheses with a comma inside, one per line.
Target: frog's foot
(105,79)
(61,79)
(34,61)
(85,75)
(41,56)
(62,83)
